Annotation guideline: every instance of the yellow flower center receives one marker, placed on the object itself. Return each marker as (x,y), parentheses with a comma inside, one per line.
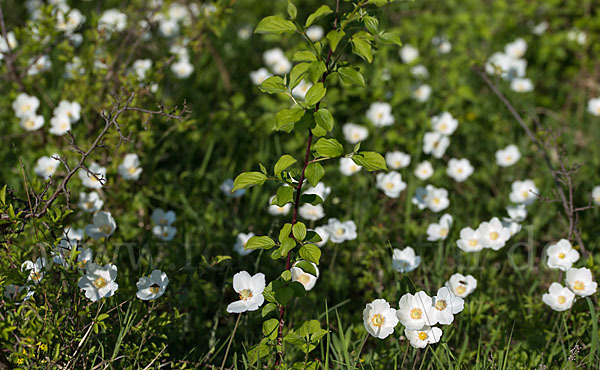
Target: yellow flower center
(356,136)
(397,163)
(36,276)
(508,158)
(82,264)
(443,127)
(423,335)
(473,242)
(579,285)
(443,232)
(245,294)
(561,299)
(353,168)
(441,305)
(379,115)
(131,170)
(461,289)
(304,279)
(436,200)
(377,320)
(459,170)
(525,194)
(339,232)
(100,282)
(561,255)
(25,107)
(105,229)
(165,234)
(64,126)
(29,123)
(89,205)
(494,235)
(389,185)
(154,288)
(416,313)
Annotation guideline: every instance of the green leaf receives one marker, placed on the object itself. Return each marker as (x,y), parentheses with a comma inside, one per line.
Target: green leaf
(334,37)
(273,85)
(324,119)
(313,237)
(311,253)
(285,231)
(283,163)
(304,56)
(275,24)
(284,196)
(307,267)
(268,308)
(328,148)
(314,172)
(313,199)
(315,94)
(371,161)
(259,242)
(297,74)
(390,38)
(372,24)
(321,12)
(291,9)
(102,316)
(283,295)
(270,328)
(361,45)
(248,179)
(316,70)
(286,275)
(318,131)
(287,245)
(351,76)
(285,118)
(299,231)
(263,169)
(3,195)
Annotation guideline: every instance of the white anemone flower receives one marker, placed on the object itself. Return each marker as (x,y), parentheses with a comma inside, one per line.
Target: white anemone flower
(559,298)
(45,167)
(517,213)
(380,114)
(446,304)
(103,225)
(523,192)
(421,338)
(444,123)
(440,230)
(307,280)
(581,282)
(339,231)
(324,234)
(153,286)
(32,122)
(408,54)
(508,156)
(90,202)
(516,49)
(391,184)
(130,168)
(470,240)
(182,68)
(315,33)
(299,92)
(415,311)
(593,106)
(424,170)
(505,66)
(36,269)
(240,244)
(13,292)
(160,217)
(596,194)
(436,199)
(165,233)
(276,210)
(521,85)
(320,189)
(561,255)
(421,93)
(72,110)
(95,181)
(141,67)
(379,318)
(259,76)
(227,188)
(459,169)
(354,133)
(405,260)
(419,71)
(59,125)
(312,213)
(348,167)
(250,290)
(84,257)
(397,160)
(112,20)
(25,105)
(99,282)
(493,234)
(435,144)
(462,285)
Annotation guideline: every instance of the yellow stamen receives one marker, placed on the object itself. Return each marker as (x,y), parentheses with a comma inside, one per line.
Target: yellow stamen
(579,285)
(416,313)
(100,282)
(423,335)
(441,305)
(245,294)
(377,320)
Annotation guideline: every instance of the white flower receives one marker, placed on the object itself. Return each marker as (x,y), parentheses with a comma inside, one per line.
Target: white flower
(32,122)
(41,64)
(596,194)
(493,234)
(380,113)
(524,192)
(408,53)
(561,255)
(422,93)
(164,232)
(508,156)
(304,278)
(153,286)
(86,255)
(59,125)
(69,21)
(62,252)
(505,66)
(324,234)
(391,184)
(436,199)
(439,231)
(72,110)
(25,105)
(299,92)
(470,240)
(577,35)
(259,76)
(103,225)
(444,123)
(130,168)
(397,160)
(348,167)
(8,43)
(315,33)
(15,291)
(340,231)
(558,297)
(435,144)
(424,170)
(240,244)
(580,281)
(593,106)
(283,66)
(141,67)
(227,188)
(419,198)
(445,47)
(521,85)
(45,167)
(405,260)
(313,213)
(540,28)
(95,181)
(321,190)
(99,282)
(36,270)
(168,27)
(415,311)
(354,133)
(250,290)
(516,49)
(459,169)
(244,32)
(182,68)
(419,71)
(160,217)
(379,318)
(90,202)
(446,304)
(462,285)
(276,210)
(421,338)
(112,20)
(73,234)
(517,213)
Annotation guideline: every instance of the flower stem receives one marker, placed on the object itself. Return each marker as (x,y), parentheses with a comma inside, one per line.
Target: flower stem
(230,341)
